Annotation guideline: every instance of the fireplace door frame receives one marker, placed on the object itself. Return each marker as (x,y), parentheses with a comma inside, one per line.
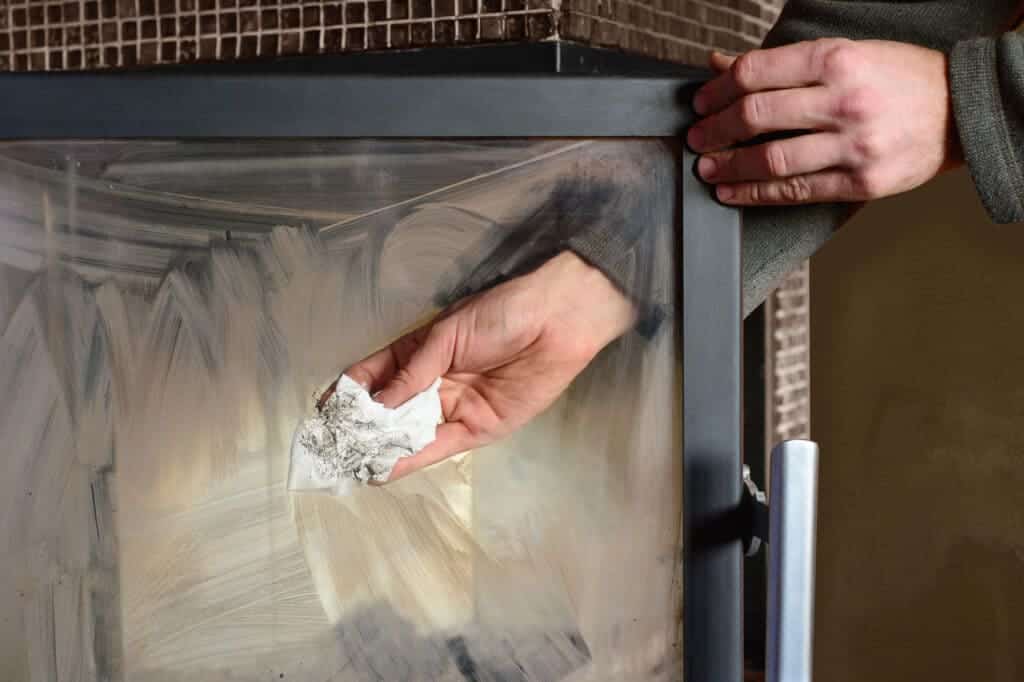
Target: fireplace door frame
(190,105)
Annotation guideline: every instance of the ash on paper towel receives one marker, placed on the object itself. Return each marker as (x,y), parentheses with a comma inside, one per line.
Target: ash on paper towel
(354,440)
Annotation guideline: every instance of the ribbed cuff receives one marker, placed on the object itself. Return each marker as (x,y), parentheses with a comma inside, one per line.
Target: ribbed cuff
(978,108)
(615,266)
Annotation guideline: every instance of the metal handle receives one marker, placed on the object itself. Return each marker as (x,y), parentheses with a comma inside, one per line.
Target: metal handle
(793,502)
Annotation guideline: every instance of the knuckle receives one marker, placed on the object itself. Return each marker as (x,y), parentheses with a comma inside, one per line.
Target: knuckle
(727,163)
(744,71)
(775,160)
(751,113)
(443,338)
(403,377)
(869,147)
(868,184)
(840,58)
(358,375)
(795,189)
(581,352)
(857,105)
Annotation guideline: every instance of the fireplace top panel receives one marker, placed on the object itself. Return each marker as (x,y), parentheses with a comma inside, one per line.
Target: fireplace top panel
(218,105)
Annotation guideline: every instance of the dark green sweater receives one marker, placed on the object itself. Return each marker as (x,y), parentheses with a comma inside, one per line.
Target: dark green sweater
(986,70)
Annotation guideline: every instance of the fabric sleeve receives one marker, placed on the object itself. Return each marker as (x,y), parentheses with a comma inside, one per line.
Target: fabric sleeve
(604,205)
(987,83)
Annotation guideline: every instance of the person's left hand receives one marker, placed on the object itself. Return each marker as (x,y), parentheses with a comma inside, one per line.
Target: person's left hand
(876,119)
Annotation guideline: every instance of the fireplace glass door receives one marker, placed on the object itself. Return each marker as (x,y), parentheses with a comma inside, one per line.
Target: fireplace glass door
(168,313)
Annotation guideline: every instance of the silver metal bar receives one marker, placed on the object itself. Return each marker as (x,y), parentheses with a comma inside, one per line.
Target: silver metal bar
(793,501)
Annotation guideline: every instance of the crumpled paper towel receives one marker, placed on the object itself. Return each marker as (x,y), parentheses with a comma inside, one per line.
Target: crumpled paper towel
(354,440)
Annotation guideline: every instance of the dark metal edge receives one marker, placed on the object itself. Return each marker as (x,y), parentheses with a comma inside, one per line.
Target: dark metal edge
(712,433)
(177,105)
(755,456)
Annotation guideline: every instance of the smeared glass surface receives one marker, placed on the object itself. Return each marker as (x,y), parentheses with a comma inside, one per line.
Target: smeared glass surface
(167,312)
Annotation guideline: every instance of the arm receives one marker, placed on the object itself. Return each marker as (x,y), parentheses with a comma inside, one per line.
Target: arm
(600,206)
(504,355)
(777,239)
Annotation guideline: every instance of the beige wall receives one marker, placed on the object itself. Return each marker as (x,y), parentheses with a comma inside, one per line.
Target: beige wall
(918,402)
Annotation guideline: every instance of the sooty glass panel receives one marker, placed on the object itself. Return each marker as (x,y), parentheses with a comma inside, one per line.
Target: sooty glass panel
(169,310)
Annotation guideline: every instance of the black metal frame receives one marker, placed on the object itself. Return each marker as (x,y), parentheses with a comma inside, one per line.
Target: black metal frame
(177,105)
(300,105)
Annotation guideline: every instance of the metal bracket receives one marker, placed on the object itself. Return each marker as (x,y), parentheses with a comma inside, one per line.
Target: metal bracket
(754,511)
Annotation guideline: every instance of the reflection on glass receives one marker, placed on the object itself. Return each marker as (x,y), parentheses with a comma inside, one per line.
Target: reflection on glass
(169,310)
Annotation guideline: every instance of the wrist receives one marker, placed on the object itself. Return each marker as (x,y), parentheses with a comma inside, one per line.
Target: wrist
(953,153)
(581,295)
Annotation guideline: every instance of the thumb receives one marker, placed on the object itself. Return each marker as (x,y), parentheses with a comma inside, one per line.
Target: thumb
(452,438)
(427,362)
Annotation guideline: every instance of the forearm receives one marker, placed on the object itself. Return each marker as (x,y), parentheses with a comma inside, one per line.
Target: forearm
(603,206)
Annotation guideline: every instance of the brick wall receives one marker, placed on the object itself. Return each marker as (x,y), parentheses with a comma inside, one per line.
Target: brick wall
(676,30)
(79,34)
(789,373)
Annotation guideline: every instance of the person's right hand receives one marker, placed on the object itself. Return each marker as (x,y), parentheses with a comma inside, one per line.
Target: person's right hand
(504,355)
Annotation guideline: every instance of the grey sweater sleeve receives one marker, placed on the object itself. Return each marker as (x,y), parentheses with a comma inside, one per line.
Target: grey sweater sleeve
(987,80)
(610,203)
(987,83)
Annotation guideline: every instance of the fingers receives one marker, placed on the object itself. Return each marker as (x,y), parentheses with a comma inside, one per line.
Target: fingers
(792,66)
(377,369)
(461,405)
(326,394)
(779,159)
(384,368)
(452,438)
(762,112)
(374,371)
(799,189)
(419,362)
(720,62)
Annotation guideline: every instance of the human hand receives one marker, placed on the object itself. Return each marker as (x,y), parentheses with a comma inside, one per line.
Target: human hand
(876,115)
(504,355)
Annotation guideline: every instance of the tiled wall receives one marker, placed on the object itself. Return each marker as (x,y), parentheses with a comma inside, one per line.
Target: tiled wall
(108,33)
(78,34)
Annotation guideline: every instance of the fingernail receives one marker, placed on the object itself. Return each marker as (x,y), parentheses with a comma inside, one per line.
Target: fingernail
(724,193)
(700,103)
(695,138)
(707,167)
